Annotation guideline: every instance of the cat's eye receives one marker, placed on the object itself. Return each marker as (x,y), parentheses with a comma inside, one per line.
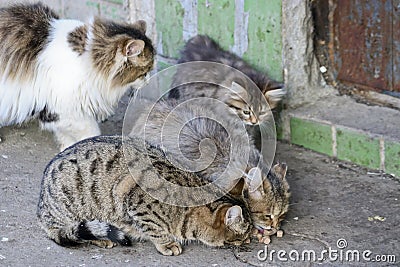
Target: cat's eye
(246,112)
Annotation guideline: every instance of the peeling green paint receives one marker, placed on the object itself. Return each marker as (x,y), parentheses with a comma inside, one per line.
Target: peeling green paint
(312,135)
(169,24)
(392,157)
(358,148)
(217,19)
(112,11)
(120,2)
(264,33)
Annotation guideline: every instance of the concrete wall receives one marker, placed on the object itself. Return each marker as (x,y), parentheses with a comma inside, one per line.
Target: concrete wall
(301,68)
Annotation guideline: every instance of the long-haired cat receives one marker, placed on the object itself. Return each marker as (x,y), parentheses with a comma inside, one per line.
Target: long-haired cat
(89,194)
(202,141)
(67,73)
(245,103)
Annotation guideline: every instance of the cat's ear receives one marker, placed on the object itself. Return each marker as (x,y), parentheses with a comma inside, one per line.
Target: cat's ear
(280,170)
(233,215)
(254,179)
(134,48)
(256,186)
(141,26)
(274,97)
(238,89)
(237,190)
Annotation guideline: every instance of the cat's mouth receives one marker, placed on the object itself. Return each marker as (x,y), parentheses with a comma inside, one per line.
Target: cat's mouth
(266,230)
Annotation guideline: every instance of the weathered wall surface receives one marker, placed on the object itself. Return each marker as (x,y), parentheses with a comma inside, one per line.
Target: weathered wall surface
(249,28)
(303,79)
(83,10)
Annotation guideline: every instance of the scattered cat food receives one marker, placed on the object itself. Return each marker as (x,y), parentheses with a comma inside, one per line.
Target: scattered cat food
(259,236)
(266,240)
(376,218)
(255,232)
(279,233)
(296,218)
(323,69)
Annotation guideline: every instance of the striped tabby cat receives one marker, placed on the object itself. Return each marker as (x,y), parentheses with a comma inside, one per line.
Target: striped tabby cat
(243,101)
(89,195)
(67,73)
(266,192)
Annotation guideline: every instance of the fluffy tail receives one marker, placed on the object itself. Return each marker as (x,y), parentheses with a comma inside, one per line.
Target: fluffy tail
(89,231)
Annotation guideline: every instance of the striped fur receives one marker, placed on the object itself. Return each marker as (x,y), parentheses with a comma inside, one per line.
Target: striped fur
(270,192)
(88,195)
(250,108)
(66,73)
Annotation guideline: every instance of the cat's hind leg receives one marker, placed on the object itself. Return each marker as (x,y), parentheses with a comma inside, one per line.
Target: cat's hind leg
(64,236)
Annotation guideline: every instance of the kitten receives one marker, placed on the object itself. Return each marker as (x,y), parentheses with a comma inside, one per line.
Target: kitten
(249,106)
(67,73)
(89,195)
(201,141)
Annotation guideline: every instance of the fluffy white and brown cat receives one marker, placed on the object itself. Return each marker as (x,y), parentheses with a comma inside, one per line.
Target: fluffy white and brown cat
(67,73)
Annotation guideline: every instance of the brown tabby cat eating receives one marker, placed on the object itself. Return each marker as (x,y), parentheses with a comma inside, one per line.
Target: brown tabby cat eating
(266,191)
(89,195)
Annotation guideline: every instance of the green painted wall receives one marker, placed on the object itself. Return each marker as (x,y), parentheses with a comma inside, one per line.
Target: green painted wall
(265,42)
(217,19)
(169,24)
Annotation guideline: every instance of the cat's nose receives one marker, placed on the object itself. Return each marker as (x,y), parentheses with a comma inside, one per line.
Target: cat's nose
(253,120)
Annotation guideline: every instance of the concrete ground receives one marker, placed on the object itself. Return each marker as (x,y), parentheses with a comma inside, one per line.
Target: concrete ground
(338,210)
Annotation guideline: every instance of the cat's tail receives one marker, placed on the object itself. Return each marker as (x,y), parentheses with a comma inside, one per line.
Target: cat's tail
(88,231)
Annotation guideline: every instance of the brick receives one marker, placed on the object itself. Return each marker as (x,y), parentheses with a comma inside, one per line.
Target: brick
(312,135)
(358,148)
(392,158)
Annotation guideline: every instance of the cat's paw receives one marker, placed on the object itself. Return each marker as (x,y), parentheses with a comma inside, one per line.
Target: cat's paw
(103,243)
(170,249)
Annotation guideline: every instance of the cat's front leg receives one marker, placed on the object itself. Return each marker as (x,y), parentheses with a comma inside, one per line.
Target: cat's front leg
(69,129)
(167,246)
(103,243)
